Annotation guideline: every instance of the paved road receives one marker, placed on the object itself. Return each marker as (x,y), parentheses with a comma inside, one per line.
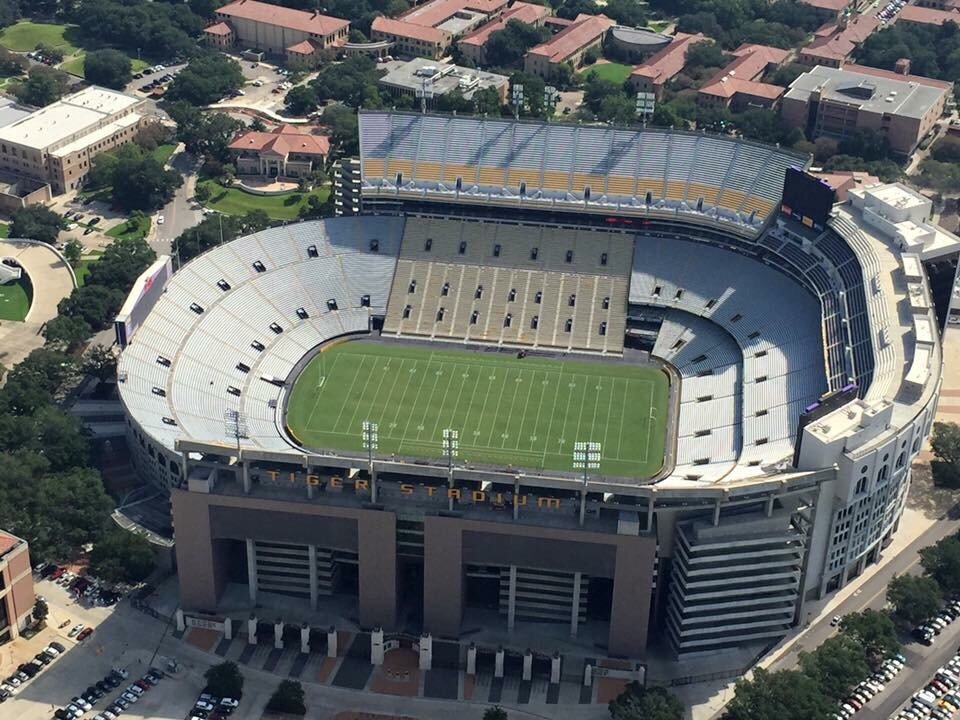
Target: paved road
(178,214)
(921,661)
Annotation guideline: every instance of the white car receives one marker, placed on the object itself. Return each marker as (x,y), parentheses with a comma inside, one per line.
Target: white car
(257,83)
(130,697)
(135,690)
(160,219)
(74,630)
(203,705)
(230,703)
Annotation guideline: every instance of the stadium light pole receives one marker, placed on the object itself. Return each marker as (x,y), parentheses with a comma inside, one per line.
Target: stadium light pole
(586,457)
(451,443)
(370,443)
(517,99)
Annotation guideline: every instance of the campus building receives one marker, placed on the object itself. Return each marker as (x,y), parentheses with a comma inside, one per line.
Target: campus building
(16,586)
(833,44)
(833,102)
(473,45)
(428,30)
(287,151)
(740,83)
(570,45)
(415,77)
(798,339)
(57,143)
(296,35)
(664,65)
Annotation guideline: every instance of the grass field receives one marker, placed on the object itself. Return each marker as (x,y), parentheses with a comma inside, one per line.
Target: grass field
(82,269)
(26,35)
(234,201)
(527,412)
(131,228)
(614,72)
(15,300)
(74,65)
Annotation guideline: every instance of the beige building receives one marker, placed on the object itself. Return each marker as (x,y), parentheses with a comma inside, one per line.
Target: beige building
(288,151)
(297,35)
(569,45)
(833,102)
(473,46)
(56,144)
(16,586)
(429,30)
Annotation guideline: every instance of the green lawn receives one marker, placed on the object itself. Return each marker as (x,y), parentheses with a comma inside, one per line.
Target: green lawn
(15,300)
(163,152)
(131,228)
(658,25)
(74,65)
(83,269)
(615,72)
(26,35)
(525,412)
(4,230)
(233,201)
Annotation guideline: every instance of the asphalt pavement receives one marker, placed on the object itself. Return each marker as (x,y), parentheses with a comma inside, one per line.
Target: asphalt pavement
(922,661)
(179,214)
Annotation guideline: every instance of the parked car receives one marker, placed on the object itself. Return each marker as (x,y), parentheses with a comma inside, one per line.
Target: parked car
(84,634)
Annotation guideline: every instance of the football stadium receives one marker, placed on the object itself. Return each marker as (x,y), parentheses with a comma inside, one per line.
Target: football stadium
(553,386)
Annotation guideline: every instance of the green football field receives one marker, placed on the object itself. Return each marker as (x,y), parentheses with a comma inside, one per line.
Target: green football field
(508,411)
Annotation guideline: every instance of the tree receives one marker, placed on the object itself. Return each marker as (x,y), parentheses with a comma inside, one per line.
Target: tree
(95,304)
(11,64)
(301,100)
(140,182)
(352,82)
(202,193)
(705,54)
(50,51)
(225,680)
(40,610)
(66,333)
(205,235)
(875,631)
(288,698)
(257,125)
(73,251)
(9,12)
(36,222)
(838,664)
(784,695)
(486,101)
(121,264)
(914,598)
(342,122)
(206,134)
(43,86)
(110,68)
(945,443)
(208,78)
(645,703)
(942,563)
(121,556)
(101,363)
(507,46)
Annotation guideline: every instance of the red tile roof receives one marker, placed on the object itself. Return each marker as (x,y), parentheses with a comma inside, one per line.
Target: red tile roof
(839,43)
(302,48)
(283,140)
(523,12)
(584,30)
(399,28)
(741,75)
(928,16)
(268,14)
(7,542)
(220,28)
(432,13)
(844,180)
(666,63)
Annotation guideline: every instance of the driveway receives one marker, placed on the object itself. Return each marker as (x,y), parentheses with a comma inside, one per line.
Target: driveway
(178,214)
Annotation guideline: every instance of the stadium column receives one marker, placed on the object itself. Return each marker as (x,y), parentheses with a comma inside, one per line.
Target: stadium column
(575,605)
(630,610)
(252,570)
(442,576)
(314,582)
(377,555)
(512,599)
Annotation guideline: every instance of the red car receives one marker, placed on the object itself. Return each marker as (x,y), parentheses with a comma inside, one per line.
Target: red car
(56,574)
(84,634)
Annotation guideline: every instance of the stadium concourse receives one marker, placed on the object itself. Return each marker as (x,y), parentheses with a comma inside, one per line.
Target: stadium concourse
(798,340)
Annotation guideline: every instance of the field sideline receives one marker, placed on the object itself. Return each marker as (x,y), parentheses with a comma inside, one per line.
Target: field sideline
(509,411)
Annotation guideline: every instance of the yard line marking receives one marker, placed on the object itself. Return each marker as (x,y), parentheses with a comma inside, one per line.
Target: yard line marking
(596,404)
(496,413)
(464,376)
(423,379)
(583,401)
(316,403)
(443,403)
(623,412)
(410,376)
(469,406)
(606,427)
(421,426)
(523,418)
(483,409)
(359,402)
(646,449)
(553,414)
(386,404)
(343,406)
(513,400)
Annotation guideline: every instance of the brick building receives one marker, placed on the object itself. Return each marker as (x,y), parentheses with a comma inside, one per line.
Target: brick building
(569,45)
(16,586)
